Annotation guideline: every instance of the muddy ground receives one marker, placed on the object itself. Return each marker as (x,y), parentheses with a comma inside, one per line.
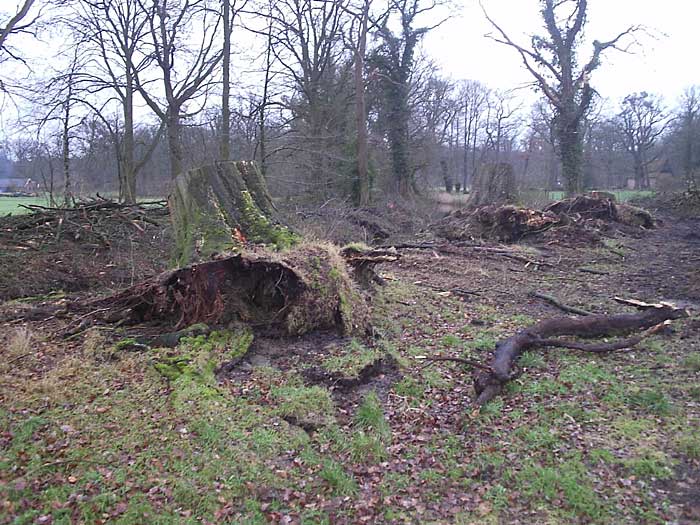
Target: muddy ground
(321,429)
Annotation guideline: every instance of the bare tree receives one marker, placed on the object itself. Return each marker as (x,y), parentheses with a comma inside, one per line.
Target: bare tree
(501,124)
(358,31)
(60,107)
(689,124)
(114,31)
(394,62)
(553,60)
(186,71)
(473,97)
(642,121)
(17,22)
(229,12)
(306,42)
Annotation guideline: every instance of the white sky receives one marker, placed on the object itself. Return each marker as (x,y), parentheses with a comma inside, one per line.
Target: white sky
(665,62)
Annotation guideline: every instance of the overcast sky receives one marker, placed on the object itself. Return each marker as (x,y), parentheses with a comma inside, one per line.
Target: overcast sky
(664,62)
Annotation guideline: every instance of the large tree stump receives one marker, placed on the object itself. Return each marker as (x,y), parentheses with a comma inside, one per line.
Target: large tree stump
(220,206)
(494,185)
(301,290)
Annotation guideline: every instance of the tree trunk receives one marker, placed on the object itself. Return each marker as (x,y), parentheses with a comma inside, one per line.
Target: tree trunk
(175,152)
(65,154)
(218,207)
(128,162)
(225,144)
(571,152)
(361,114)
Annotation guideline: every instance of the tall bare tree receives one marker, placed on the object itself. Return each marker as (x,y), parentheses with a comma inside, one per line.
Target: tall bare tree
(688,125)
(114,30)
(230,9)
(562,76)
(358,31)
(186,70)
(306,43)
(473,97)
(642,121)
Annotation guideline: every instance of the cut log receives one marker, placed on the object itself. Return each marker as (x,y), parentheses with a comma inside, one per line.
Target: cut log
(221,206)
(489,384)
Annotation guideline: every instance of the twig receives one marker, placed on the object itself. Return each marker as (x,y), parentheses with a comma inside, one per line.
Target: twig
(555,302)
(594,272)
(18,358)
(461,360)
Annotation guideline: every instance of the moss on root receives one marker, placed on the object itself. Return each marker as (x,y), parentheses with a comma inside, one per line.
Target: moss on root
(199,356)
(330,298)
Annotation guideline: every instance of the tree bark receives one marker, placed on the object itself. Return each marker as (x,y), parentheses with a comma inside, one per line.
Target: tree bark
(225,144)
(219,207)
(361,113)
(175,153)
(489,384)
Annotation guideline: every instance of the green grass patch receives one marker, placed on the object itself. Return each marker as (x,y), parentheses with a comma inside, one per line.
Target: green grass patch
(567,482)
(689,445)
(354,358)
(650,400)
(692,362)
(649,464)
(341,483)
(307,405)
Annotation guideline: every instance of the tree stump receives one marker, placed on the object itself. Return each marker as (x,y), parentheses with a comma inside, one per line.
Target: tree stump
(494,185)
(301,290)
(218,207)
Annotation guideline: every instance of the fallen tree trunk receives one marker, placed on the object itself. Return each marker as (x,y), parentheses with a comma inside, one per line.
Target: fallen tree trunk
(489,383)
(305,289)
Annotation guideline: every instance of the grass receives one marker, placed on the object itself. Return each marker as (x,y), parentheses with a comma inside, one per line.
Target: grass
(95,433)
(12,204)
(620,195)
(353,359)
(692,362)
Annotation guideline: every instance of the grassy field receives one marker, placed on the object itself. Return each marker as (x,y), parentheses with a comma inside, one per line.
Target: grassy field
(12,204)
(620,195)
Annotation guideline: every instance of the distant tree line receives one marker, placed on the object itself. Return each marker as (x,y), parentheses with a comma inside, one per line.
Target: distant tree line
(333,99)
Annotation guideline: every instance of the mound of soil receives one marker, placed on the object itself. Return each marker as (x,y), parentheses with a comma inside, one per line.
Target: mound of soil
(580,220)
(96,244)
(500,223)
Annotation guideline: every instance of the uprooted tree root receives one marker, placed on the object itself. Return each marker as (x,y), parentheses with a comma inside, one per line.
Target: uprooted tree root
(489,380)
(575,220)
(305,289)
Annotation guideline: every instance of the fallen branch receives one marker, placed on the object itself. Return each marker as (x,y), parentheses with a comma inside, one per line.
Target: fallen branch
(468,362)
(454,249)
(556,302)
(593,271)
(651,319)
